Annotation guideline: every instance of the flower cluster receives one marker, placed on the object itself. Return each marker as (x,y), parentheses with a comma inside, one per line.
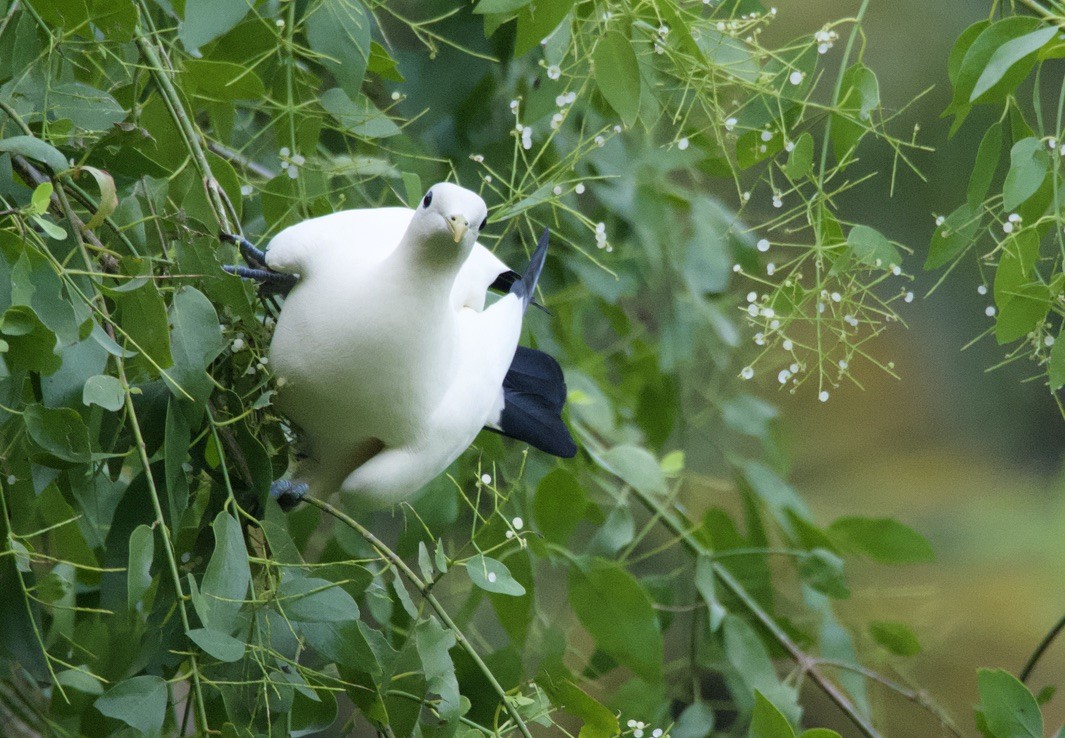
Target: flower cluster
(290,163)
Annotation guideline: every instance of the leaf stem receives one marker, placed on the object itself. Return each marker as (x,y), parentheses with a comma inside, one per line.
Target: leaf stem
(394,559)
(185,125)
(1041,649)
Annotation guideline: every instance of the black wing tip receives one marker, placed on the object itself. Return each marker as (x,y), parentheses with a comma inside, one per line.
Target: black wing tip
(525,287)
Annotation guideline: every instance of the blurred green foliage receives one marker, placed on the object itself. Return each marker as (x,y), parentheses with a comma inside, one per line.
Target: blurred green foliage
(150,586)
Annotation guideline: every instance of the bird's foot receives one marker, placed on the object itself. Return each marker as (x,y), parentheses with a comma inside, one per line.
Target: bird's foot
(288,493)
(253,256)
(268,278)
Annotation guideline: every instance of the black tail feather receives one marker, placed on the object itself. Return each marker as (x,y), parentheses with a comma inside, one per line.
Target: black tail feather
(525,287)
(534,393)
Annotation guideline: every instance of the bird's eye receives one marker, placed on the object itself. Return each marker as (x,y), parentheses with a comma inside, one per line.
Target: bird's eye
(427,199)
(483,224)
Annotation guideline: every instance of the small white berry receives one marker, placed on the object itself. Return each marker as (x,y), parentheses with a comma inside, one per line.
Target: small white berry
(747,372)
(990,311)
(823,395)
(763,245)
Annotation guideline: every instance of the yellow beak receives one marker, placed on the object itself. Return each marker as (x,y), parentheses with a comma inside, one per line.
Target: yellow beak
(459,225)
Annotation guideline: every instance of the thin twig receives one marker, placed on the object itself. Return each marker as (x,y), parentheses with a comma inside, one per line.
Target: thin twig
(917,697)
(235,157)
(425,590)
(1044,644)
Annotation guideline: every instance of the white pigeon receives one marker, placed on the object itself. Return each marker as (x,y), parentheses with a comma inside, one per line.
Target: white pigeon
(385,355)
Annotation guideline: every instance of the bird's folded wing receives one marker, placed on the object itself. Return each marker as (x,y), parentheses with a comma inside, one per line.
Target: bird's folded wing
(481,271)
(349,239)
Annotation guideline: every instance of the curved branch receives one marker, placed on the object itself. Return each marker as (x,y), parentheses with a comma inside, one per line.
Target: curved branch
(1041,649)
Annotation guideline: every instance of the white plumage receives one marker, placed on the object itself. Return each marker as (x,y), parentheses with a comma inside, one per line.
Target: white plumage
(385,355)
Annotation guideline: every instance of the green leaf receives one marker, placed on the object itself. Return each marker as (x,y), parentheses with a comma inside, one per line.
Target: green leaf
(767,721)
(221,80)
(206,20)
(500,6)
(895,637)
(697,721)
(139,702)
(141,553)
(801,159)
(560,504)
(105,391)
(79,680)
(360,116)
(618,613)
(225,583)
(872,247)
(108,196)
(1022,302)
(493,576)
(41,198)
(88,108)
(819,733)
(1009,64)
(60,432)
(1009,709)
(883,539)
(599,722)
(859,96)
(36,149)
(339,30)
(195,341)
(705,585)
(433,642)
(316,600)
(1057,363)
(30,343)
(219,645)
(747,655)
(142,315)
(986,163)
(756,146)
(823,570)
(617,74)
(637,467)
(1029,166)
(343,643)
(537,21)
(954,236)
(780,496)
(50,229)
(382,64)
(978,49)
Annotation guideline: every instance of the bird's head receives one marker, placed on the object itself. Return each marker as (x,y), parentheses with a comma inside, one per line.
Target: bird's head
(447,221)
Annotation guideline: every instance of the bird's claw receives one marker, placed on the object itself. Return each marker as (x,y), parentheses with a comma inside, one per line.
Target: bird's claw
(288,493)
(255,257)
(270,282)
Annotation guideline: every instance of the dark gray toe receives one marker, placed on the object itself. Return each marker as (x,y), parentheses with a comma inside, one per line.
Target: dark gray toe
(288,493)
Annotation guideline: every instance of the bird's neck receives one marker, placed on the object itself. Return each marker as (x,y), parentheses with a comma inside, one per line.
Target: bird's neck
(429,270)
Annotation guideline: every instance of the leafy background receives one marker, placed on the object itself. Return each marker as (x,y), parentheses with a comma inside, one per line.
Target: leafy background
(141,593)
